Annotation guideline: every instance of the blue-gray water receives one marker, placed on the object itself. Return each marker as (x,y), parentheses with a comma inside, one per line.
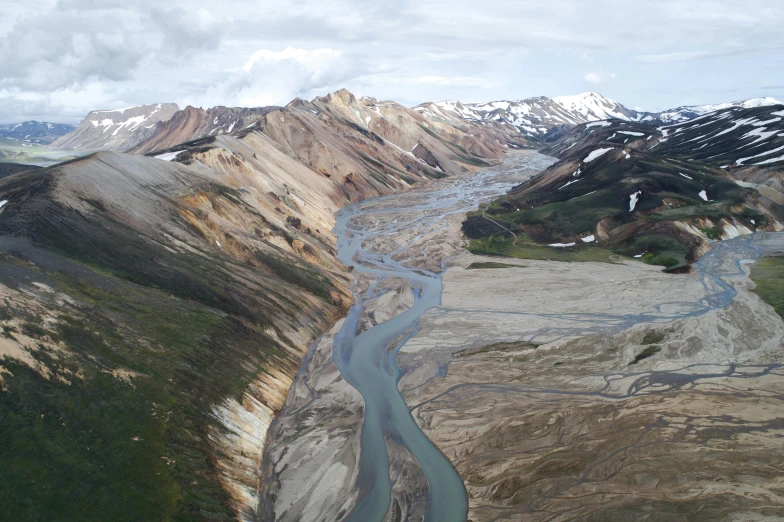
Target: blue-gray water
(368,360)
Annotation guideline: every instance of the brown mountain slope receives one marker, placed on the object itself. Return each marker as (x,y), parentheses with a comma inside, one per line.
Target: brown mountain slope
(118,129)
(193,123)
(345,137)
(155,312)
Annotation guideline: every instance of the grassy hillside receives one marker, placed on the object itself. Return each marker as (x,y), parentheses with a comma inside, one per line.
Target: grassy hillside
(768,274)
(118,346)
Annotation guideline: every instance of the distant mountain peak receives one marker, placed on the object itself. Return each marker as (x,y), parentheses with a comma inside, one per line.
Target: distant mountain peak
(533,116)
(32,131)
(688,112)
(117,129)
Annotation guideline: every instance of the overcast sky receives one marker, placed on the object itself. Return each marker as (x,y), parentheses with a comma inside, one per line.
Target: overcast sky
(61,58)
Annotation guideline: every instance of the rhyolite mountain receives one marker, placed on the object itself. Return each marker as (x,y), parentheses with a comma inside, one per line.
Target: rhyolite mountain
(193,123)
(117,129)
(156,308)
(661,194)
(39,132)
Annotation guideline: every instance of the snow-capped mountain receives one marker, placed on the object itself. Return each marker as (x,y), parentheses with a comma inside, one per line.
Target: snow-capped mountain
(534,116)
(118,129)
(689,112)
(32,131)
(737,136)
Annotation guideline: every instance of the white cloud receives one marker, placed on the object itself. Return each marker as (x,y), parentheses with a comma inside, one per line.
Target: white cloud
(276,77)
(139,51)
(598,78)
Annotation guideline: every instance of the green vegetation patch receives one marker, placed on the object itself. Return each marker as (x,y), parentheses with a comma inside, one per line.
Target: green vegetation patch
(90,445)
(653,338)
(497,347)
(650,351)
(526,249)
(768,274)
(491,264)
(656,250)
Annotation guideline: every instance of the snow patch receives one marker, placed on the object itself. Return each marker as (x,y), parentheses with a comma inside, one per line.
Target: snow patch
(740,161)
(588,239)
(598,124)
(596,154)
(633,199)
(703,195)
(685,176)
(774,160)
(168,156)
(573,181)
(2,203)
(561,245)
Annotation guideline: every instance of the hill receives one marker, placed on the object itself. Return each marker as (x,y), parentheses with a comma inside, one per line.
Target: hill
(652,193)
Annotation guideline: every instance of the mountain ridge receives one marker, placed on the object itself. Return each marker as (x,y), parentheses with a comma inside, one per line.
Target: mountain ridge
(116,129)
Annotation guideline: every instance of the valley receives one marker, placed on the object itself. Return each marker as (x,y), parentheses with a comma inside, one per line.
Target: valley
(347,309)
(546,384)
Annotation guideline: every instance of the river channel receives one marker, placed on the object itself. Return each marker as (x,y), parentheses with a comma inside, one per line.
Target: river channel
(368,360)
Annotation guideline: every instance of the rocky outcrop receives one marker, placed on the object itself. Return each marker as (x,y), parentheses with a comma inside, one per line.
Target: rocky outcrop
(118,129)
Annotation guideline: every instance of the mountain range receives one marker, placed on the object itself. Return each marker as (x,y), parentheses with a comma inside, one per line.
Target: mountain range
(658,193)
(539,119)
(39,132)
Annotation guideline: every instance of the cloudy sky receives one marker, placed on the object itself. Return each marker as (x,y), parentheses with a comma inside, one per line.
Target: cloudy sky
(62,58)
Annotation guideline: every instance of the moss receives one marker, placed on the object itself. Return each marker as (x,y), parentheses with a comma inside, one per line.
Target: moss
(653,338)
(69,450)
(497,347)
(525,249)
(768,274)
(713,233)
(658,250)
(491,264)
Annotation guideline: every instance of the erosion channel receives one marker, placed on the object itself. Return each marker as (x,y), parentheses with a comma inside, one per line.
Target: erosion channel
(345,445)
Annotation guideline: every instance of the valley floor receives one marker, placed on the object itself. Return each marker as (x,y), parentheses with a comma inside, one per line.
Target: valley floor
(559,391)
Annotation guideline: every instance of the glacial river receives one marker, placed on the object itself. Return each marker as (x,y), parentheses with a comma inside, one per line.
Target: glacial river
(368,360)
